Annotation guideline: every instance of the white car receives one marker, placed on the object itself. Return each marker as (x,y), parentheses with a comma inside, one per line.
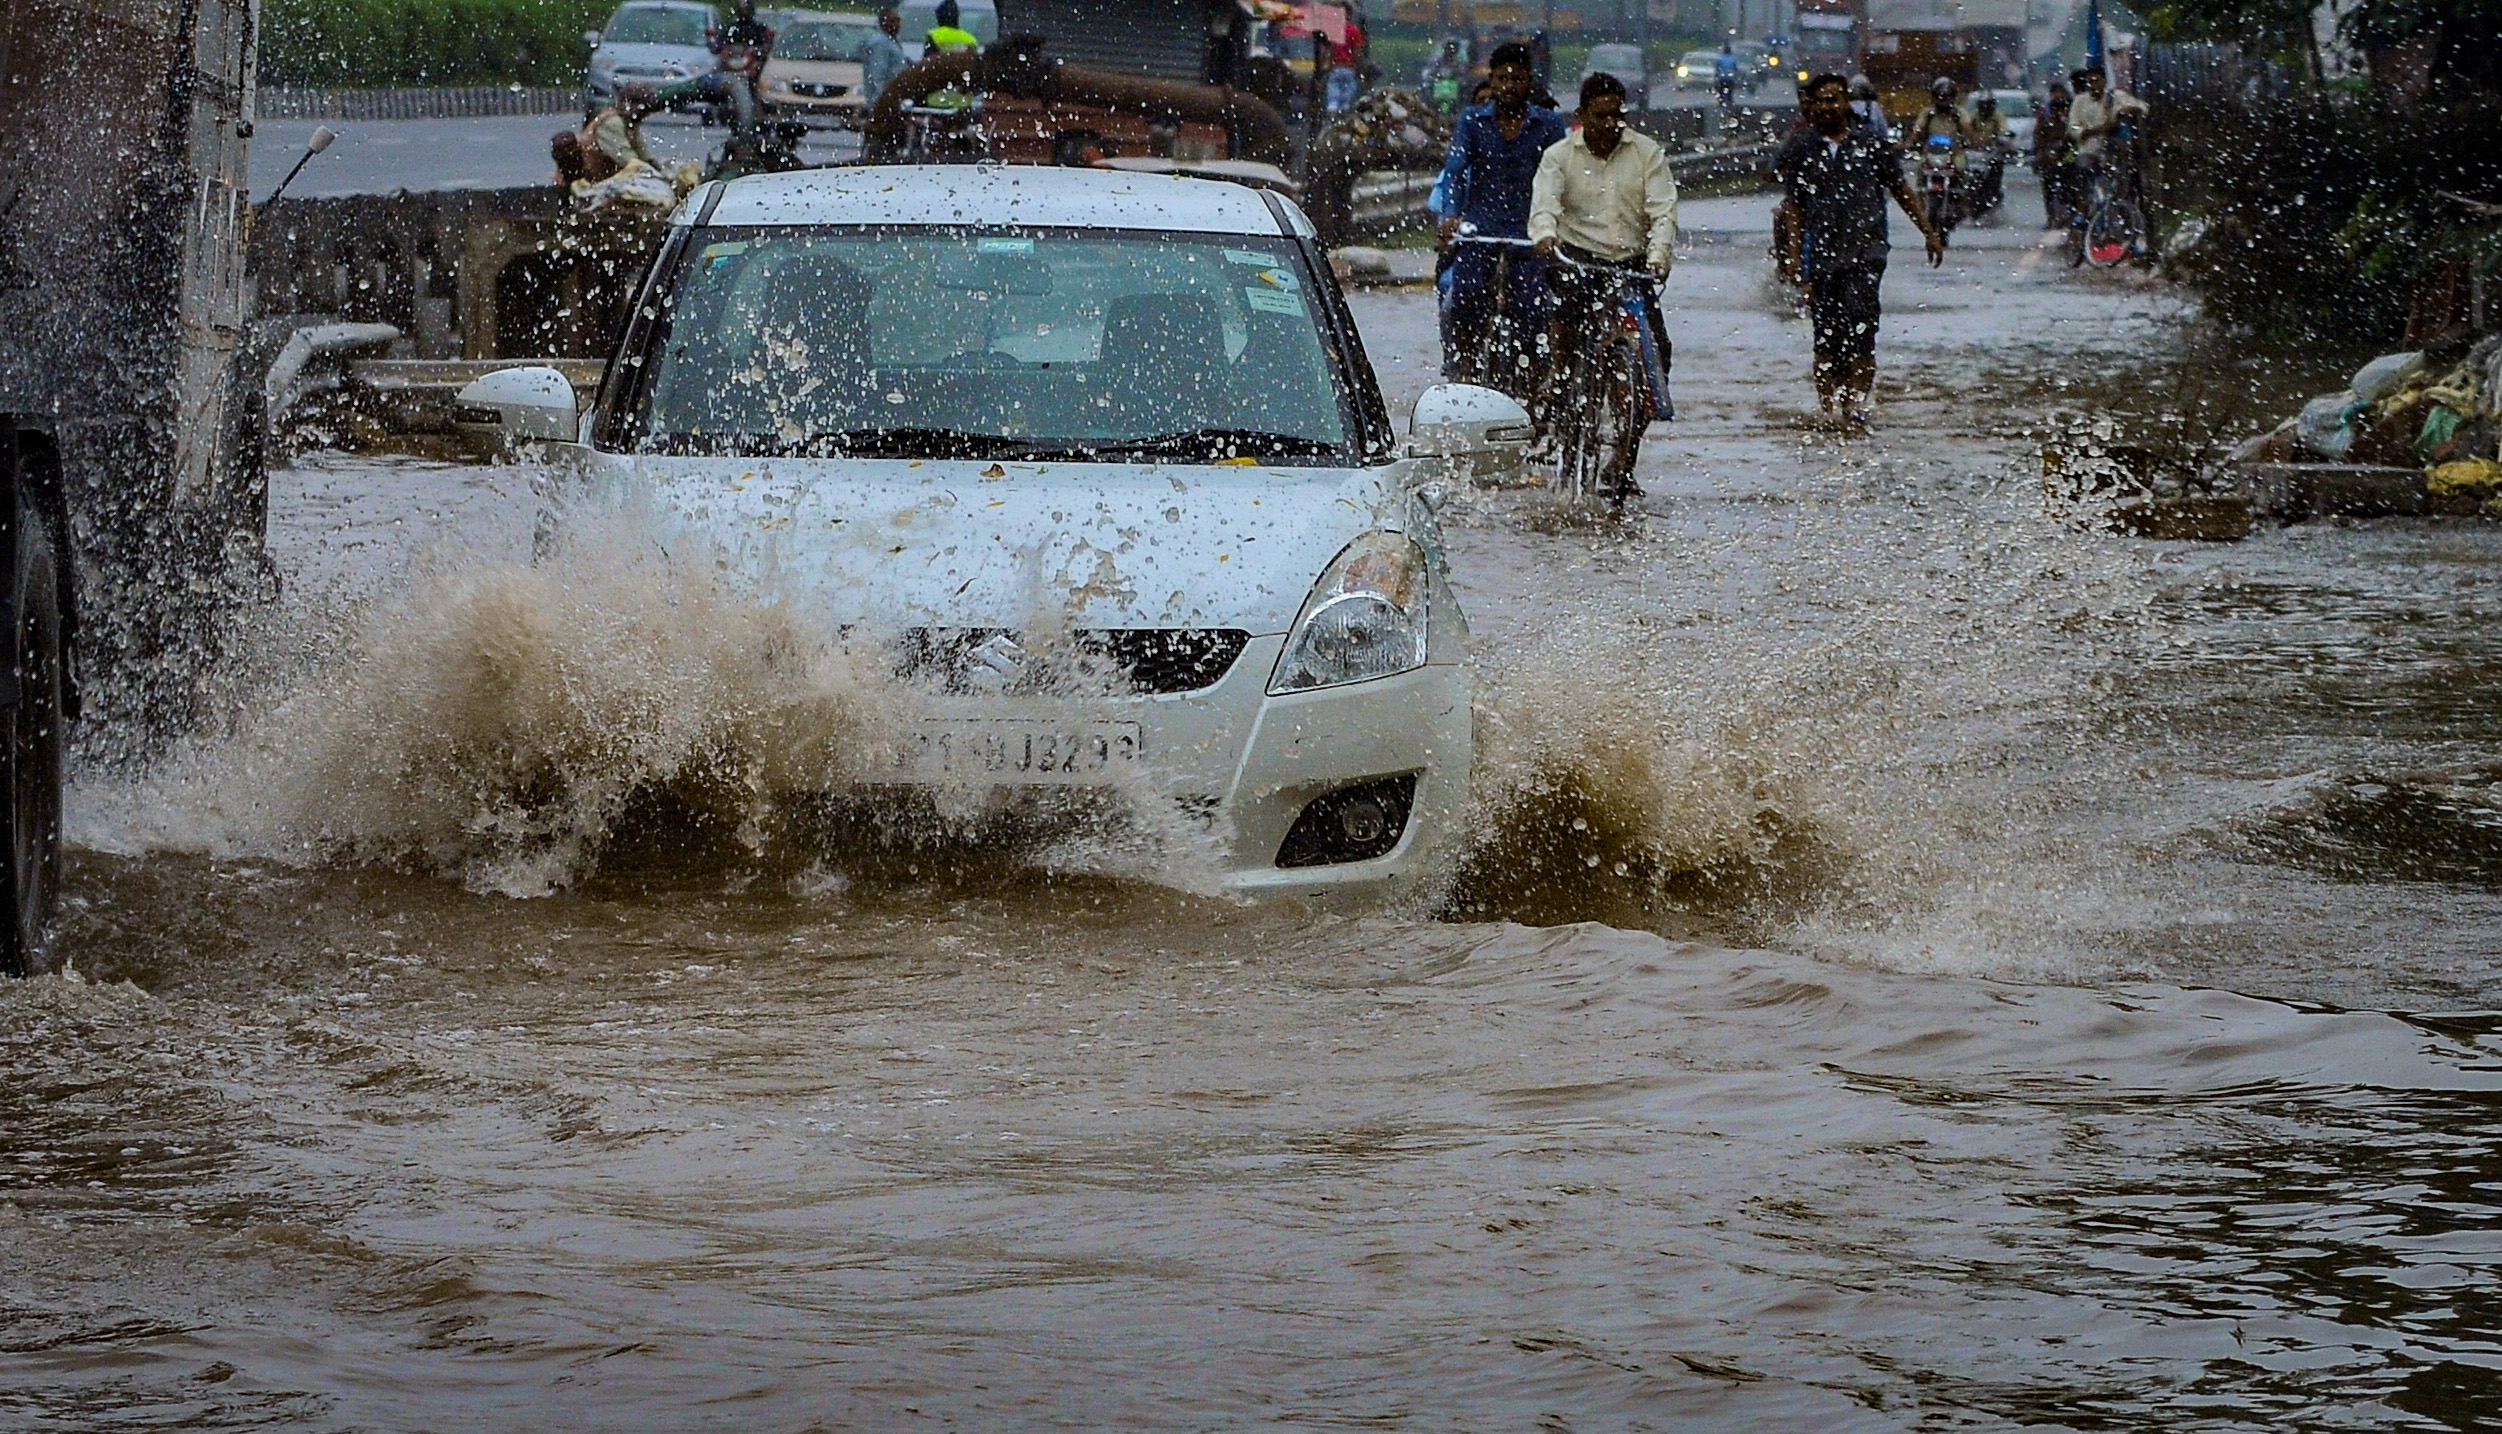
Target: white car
(815,66)
(1093,464)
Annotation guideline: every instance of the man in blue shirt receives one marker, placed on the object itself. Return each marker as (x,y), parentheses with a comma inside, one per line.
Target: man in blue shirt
(1494,157)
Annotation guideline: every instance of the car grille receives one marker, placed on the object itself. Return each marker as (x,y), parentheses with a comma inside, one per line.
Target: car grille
(1143,660)
(815,91)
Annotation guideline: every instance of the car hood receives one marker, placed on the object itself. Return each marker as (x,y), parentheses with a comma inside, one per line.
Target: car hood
(694,58)
(895,543)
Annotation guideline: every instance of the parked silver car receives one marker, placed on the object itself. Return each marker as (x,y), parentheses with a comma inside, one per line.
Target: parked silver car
(656,41)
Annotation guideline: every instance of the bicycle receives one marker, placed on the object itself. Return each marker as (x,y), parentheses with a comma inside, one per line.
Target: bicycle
(1504,355)
(2115,231)
(1598,398)
(2107,226)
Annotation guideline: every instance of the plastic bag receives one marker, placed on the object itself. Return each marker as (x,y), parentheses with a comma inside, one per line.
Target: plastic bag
(2378,379)
(2326,426)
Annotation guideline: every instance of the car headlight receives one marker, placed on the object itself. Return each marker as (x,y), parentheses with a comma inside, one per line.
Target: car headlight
(1366,618)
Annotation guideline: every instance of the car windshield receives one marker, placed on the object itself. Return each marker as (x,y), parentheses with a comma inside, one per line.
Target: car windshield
(656,25)
(936,343)
(819,40)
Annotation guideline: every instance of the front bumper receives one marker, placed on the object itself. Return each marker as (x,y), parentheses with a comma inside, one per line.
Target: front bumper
(1253,762)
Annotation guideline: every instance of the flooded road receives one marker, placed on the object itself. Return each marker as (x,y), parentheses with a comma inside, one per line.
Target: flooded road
(1917,966)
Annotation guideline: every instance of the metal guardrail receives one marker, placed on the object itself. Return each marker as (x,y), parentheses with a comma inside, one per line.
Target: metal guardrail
(1383,197)
(435,102)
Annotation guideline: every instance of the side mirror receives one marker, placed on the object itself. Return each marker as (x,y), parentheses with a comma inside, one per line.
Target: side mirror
(533,404)
(591,38)
(1479,432)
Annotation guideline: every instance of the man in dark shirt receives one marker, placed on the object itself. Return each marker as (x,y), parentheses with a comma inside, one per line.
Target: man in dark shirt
(1839,177)
(1494,157)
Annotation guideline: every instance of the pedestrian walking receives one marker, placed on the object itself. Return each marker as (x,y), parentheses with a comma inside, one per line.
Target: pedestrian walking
(1839,178)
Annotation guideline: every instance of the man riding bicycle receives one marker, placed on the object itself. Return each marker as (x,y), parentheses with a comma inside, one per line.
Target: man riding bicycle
(1605,201)
(1494,157)
(2100,128)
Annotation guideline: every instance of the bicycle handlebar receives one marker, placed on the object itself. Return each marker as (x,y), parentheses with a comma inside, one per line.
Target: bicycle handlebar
(1467,236)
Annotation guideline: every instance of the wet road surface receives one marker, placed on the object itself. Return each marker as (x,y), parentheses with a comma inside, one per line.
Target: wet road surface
(1918,966)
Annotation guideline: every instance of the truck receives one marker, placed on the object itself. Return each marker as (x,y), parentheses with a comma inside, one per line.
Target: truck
(134,496)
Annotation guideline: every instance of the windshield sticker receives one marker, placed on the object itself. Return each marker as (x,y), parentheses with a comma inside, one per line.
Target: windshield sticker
(723,251)
(1006,246)
(1269,301)
(1279,278)
(1245,256)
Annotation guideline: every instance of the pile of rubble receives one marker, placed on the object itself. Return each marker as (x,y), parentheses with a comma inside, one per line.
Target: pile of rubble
(2424,427)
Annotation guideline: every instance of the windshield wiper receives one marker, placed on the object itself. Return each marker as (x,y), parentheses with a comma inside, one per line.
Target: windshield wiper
(1216,443)
(911,443)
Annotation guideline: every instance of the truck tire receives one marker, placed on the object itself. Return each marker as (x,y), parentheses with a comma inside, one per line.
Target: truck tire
(36,728)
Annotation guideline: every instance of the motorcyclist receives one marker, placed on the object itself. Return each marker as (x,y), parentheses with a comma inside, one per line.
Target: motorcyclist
(1867,111)
(1495,149)
(2050,144)
(1989,135)
(740,49)
(1445,78)
(1724,75)
(1939,140)
(1943,118)
(948,36)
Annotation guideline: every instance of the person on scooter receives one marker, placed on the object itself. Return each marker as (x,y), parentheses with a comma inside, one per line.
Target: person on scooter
(1942,118)
(1989,135)
(1941,146)
(740,49)
(1495,149)
(1868,111)
(2050,146)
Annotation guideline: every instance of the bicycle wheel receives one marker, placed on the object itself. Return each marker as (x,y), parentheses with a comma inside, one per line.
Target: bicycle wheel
(1616,418)
(1598,427)
(2114,234)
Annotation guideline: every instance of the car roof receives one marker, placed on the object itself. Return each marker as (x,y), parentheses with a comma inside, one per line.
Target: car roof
(668,5)
(1047,195)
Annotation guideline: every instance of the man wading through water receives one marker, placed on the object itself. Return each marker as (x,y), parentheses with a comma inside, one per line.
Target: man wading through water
(1838,177)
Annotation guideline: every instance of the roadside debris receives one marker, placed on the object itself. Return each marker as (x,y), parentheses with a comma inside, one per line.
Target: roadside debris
(2417,431)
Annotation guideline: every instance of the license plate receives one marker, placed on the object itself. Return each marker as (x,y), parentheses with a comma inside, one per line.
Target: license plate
(1013,752)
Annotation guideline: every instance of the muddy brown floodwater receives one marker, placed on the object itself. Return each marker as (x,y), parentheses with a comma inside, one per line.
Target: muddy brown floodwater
(1916,966)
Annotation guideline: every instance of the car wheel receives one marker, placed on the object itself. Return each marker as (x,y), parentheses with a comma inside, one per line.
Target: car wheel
(35,732)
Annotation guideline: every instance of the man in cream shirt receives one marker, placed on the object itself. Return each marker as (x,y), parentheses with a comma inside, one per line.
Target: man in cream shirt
(1604,196)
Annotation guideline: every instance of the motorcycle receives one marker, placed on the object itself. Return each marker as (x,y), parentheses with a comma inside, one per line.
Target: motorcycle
(1989,184)
(1942,182)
